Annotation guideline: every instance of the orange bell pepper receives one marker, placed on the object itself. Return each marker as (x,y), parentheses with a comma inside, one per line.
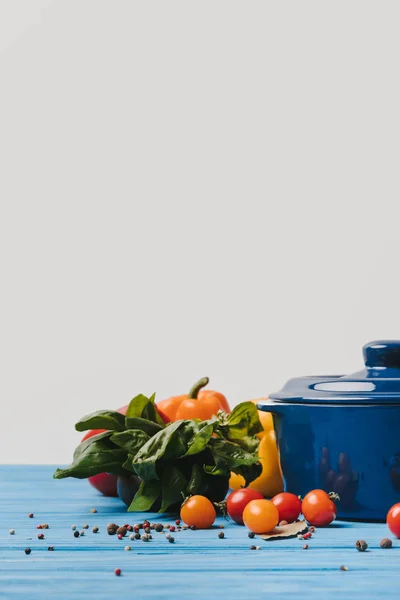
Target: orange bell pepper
(197,404)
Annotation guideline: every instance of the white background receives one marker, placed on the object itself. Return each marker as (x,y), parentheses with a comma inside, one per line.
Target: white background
(189,189)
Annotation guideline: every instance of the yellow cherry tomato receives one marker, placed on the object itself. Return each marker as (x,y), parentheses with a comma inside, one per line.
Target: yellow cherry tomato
(198,511)
(260,516)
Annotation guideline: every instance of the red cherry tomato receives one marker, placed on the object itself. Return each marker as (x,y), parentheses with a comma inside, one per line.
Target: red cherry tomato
(288,505)
(318,509)
(237,502)
(393,519)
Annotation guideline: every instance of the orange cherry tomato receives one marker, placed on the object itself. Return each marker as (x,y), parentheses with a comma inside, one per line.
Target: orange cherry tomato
(260,516)
(318,508)
(198,511)
(198,404)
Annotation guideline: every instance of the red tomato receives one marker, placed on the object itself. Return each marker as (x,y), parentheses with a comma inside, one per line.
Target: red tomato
(237,502)
(393,519)
(318,509)
(288,505)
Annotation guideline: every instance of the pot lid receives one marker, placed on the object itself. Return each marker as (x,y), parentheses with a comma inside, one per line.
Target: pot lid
(378,382)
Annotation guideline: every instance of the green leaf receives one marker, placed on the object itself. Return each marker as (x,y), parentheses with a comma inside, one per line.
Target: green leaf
(197,435)
(173,484)
(102,419)
(165,444)
(195,481)
(142,406)
(231,457)
(145,425)
(130,440)
(146,495)
(241,426)
(93,456)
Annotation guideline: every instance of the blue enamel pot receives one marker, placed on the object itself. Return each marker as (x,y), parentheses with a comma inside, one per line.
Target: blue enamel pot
(342,434)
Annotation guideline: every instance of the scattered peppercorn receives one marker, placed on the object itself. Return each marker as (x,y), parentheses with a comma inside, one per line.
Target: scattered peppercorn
(39,527)
(129,528)
(159,527)
(132,536)
(45,526)
(307,536)
(76,534)
(95,529)
(300,537)
(93,510)
(30,515)
(386,543)
(282,523)
(168,536)
(112,528)
(12,531)
(117,572)
(51,548)
(222,526)
(344,568)
(120,536)
(127,548)
(251,534)
(184,527)
(253,547)
(193,527)
(28,550)
(73,527)
(221,535)
(172,528)
(305,547)
(361,545)
(311,529)
(86,526)
(147,529)
(82,532)
(40,536)
(178,522)
(137,536)
(145,538)
(171,539)
(146,523)
(121,531)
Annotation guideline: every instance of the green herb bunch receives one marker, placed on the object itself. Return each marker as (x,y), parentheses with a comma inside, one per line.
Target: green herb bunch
(172,460)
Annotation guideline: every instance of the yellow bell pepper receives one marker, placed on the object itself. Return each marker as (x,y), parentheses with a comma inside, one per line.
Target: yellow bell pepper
(270,482)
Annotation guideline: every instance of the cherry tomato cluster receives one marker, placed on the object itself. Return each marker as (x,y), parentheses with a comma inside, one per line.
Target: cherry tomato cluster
(250,508)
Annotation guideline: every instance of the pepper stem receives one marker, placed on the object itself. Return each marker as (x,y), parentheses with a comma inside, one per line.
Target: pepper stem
(197,387)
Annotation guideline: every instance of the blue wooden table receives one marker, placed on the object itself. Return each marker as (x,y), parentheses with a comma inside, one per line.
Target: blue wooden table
(197,565)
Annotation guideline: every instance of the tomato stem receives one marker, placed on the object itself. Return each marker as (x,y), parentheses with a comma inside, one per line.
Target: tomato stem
(197,387)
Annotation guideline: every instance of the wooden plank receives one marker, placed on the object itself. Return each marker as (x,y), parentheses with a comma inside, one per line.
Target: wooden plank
(197,565)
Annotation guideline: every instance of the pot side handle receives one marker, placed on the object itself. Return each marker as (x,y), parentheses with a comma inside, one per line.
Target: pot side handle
(270,406)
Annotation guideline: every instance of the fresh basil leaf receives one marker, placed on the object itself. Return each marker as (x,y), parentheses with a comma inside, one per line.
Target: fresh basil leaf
(102,419)
(93,456)
(145,425)
(197,435)
(173,484)
(166,444)
(241,424)
(146,495)
(231,457)
(130,440)
(195,481)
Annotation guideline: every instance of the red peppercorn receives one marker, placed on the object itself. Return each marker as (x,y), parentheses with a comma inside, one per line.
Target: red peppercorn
(307,536)
(30,515)
(117,572)
(120,536)
(39,527)
(41,536)
(129,527)
(172,528)
(178,522)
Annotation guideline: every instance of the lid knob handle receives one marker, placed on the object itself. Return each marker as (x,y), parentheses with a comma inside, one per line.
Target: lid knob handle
(383,354)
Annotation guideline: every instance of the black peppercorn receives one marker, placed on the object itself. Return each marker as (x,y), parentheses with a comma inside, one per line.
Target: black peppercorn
(76,534)
(50,548)
(251,534)
(193,527)
(159,527)
(28,550)
(137,536)
(253,547)
(171,539)
(221,535)
(147,529)
(386,543)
